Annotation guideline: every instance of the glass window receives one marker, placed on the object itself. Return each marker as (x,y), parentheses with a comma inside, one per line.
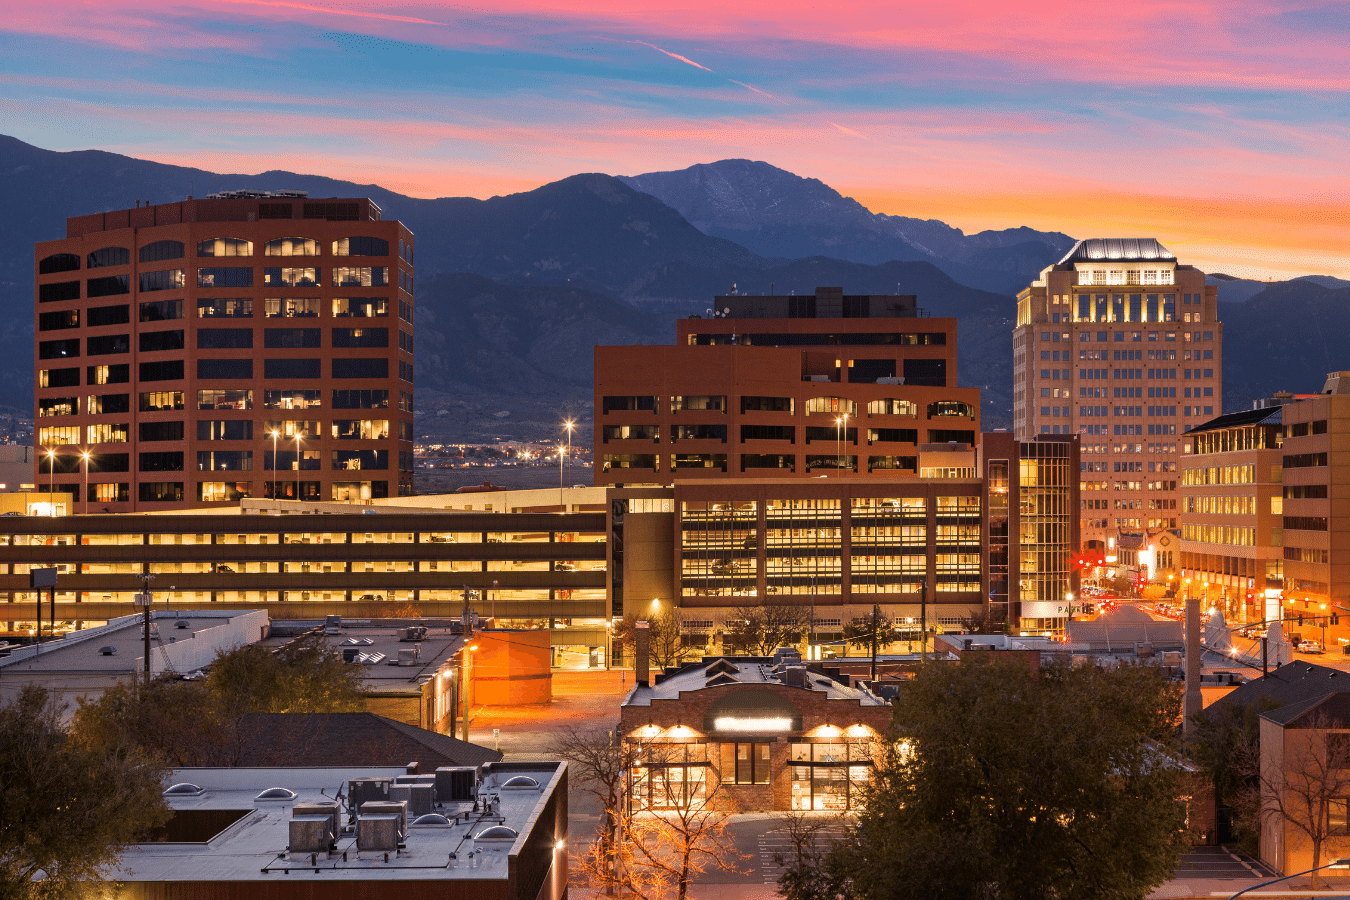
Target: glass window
(224,399)
(360,307)
(224,338)
(360,337)
(225,247)
(293,399)
(358,399)
(291,307)
(59,291)
(361,368)
(360,429)
(225,368)
(59,262)
(218,277)
(160,310)
(291,246)
(346,276)
(361,246)
(291,277)
(166,280)
(162,250)
(109,256)
(114,374)
(157,401)
(224,308)
(109,286)
(752,763)
(287,338)
(351,460)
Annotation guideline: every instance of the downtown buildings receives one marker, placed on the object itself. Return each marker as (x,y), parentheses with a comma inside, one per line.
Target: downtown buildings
(1119,343)
(246,345)
(815,450)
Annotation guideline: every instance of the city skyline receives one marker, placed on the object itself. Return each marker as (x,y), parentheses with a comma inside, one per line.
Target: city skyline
(1215,129)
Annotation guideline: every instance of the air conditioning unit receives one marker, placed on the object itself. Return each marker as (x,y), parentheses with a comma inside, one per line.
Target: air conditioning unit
(377,832)
(456,783)
(311,834)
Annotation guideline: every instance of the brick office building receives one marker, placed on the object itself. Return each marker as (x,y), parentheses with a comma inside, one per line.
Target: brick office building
(244,345)
(1120,343)
(774,386)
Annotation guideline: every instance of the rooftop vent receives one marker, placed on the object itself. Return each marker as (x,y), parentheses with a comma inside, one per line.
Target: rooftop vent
(185,789)
(429,819)
(276,793)
(107,651)
(520,783)
(182,624)
(413,633)
(723,666)
(497,833)
(722,679)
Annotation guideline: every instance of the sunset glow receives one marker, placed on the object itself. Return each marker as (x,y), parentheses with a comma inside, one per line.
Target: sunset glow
(1218,128)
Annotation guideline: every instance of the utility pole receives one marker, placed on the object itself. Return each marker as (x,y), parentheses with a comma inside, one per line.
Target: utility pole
(143,601)
(923,620)
(876,623)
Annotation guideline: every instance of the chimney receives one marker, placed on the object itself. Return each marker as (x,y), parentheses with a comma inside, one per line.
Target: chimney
(642,652)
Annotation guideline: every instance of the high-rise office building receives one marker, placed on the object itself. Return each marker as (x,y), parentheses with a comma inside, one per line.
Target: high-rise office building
(249,344)
(783,386)
(1119,343)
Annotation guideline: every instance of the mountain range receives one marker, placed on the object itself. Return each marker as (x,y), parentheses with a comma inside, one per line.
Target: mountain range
(514,291)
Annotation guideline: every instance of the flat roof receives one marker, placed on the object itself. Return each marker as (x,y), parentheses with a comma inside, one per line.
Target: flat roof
(751,671)
(385,639)
(253,848)
(185,641)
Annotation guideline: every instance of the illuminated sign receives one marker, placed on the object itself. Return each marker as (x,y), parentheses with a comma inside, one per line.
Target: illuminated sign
(759,724)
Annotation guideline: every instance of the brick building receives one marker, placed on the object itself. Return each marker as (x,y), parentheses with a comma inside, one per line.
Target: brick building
(1120,343)
(770,735)
(244,345)
(772,387)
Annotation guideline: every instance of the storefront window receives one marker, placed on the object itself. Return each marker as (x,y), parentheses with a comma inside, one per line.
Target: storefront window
(829,776)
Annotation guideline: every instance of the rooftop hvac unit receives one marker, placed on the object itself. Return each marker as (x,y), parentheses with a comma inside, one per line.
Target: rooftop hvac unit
(421,798)
(413,633)
(312,834)
(329,808)
(456,783)
(397,809)
(377,832)
(349,654)
(332,624)
(1143,649)
(407,656)
(794,676)
(366,790)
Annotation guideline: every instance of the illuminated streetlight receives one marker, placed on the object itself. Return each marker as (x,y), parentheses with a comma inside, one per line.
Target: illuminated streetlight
(297,461)
(275,434)
(51,483)
(85,456)
(569,424)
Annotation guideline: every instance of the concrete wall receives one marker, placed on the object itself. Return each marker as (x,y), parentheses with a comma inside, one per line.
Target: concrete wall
(511,668)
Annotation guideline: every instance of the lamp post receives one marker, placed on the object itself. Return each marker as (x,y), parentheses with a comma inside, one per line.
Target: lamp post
(297,461)
(569,425)
(838,442)
(494,603)
(275,434)
(845,432)
(85,456)
(51,483)
(561,501)
(1339,863)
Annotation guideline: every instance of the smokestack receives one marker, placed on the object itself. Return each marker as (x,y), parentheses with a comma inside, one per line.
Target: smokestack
(642,651)
(1192,701)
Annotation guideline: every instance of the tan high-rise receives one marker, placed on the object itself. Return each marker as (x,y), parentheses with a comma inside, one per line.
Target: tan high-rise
(1120,344)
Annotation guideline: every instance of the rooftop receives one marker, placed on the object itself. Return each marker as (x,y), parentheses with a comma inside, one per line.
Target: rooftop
(349,739)
(750,670)
(1269,415)
(376,644)
(180,641)
(227,833)
(1118,250)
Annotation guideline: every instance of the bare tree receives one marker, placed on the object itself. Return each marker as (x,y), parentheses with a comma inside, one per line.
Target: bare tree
(668,643)
(775,622)
(807,874)
(679,819)
(601,761)
(1300,784)
(983,621)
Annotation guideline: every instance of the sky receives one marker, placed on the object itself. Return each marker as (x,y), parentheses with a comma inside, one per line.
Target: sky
(1220,128)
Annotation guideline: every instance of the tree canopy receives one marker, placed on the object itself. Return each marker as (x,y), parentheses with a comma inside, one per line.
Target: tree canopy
(772,623)
(66,809)
(184,723)
(1001,781)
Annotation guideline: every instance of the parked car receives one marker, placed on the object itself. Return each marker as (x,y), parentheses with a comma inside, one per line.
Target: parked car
(377,597)
(1310,647)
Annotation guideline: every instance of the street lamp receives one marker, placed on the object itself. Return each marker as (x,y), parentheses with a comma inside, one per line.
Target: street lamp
(51,482)
(494,603)
(85,456)
(569,425)
(561,501)
(297,461)
(275,434)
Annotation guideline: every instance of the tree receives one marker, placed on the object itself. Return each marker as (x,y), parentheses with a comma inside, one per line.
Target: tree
(1069,765)
(678,824)
(1226,743)
(667,642)
(773,623)
(806,873)
(984,621)
(186,723)
(871,634)
(1310,771)
(66,810)
(600,761)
